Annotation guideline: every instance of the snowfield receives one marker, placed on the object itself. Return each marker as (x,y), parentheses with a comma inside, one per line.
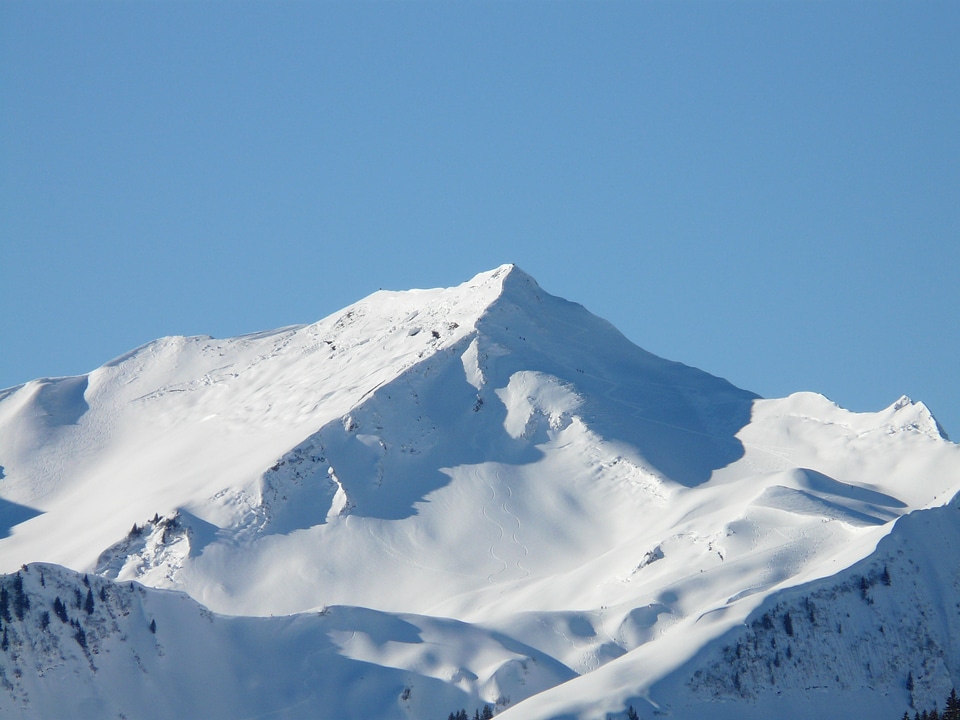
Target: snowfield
(441,499)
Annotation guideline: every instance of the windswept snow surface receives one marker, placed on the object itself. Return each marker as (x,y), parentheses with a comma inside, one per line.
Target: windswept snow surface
(491,460)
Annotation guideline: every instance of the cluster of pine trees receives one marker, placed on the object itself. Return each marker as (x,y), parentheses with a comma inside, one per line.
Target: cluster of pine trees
(951,711)
(485,714)
(80,603)
(18,600)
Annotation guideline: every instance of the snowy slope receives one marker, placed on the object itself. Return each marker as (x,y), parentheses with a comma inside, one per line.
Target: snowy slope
(490,459)
(120,650)
(875,640)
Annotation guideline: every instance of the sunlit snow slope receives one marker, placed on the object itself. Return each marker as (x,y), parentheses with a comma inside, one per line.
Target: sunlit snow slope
(487,459)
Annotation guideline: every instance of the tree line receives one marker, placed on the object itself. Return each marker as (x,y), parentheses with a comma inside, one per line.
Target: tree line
(485,714)
(951,710)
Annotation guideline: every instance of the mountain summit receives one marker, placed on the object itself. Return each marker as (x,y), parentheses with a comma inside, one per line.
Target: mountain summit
(476,495)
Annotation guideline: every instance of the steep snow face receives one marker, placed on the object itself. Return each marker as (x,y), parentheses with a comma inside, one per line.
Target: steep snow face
(293,442)
(511,456)
(180,420)
(488,453)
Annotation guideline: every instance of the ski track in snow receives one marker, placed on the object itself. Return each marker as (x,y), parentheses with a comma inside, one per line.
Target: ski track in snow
(279,712)
(524,549)
(403,557)
(483,509)
(501,540)
(639,412)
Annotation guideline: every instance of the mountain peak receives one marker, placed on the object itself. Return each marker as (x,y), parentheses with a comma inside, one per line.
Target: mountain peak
(508,278)
(909,413)
(486,468)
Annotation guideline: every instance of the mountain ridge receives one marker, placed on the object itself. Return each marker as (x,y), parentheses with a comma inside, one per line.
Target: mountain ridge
(488,455)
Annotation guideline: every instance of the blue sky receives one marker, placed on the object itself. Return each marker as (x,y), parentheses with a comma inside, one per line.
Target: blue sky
(768,191)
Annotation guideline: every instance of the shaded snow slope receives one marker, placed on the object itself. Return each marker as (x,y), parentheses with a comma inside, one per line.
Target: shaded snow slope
(82,647)
(875,640)
(488,458)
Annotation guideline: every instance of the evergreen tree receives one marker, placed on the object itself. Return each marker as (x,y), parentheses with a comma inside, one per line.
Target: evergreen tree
(787,626)
(5,604)
(632,714)
(153,626)
(487,713)
(59,609)
(21,603)
(952,711)
(88,604)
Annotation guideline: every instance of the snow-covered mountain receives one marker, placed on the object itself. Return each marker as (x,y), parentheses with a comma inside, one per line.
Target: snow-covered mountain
(459,497)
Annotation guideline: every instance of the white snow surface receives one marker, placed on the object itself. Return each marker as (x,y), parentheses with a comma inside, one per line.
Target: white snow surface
(481,494)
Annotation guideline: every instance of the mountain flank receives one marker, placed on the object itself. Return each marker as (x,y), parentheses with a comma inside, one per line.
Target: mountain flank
(475,497)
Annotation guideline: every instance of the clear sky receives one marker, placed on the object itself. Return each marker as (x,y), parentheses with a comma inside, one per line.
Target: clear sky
(769,191)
